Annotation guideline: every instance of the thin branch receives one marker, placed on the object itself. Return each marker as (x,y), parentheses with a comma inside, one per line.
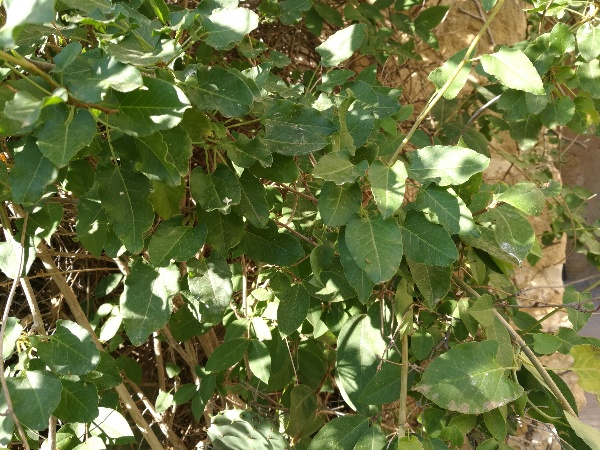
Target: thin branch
(291,230)
(9,301)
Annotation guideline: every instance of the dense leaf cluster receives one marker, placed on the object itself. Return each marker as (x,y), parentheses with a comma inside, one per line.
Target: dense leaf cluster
(297,221)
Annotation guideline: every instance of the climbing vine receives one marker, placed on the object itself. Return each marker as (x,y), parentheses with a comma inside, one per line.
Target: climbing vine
(218,230)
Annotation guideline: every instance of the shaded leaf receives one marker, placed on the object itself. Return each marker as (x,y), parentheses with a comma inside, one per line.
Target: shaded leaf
(172,241)
(218,190)
(124,197)
(293,129)
(78,403)
(35,395)
(224,231)
(376,246)
(303,404)
(142,112)
(355,276)
(209,280)
(70,350)
(426,242)
(384,387)
(342,433)
(217,88)
(588,41)
(433,281)
(360,347)
(388,185)
(253,204)
(338,203)
(65,133)
(227,354)
(293,308)
(31,173)
(11,334)
(338,168)
(271,247)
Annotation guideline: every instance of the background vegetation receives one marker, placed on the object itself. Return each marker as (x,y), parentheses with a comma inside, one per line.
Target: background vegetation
(223,228)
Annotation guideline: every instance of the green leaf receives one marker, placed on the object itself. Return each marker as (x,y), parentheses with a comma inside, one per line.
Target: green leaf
(514,70)
(512,231)
(88,6)
(7,424)
(111,424)
(146,299)
(292,309)
(292,10)
(587,366)
(577,317)
(431,17)
(588,41)
(421,344)
(293,129)
(270,246)
(209,280)
(338,203)
(165,199)
(342,433)
(338,168)
(488,4)
(384,387)
(487,242)
(562,39)
(65,133)
(585,118)
(444,205)
(245,152)
(376,246)
(161,10)
(259,360)
(360,347)
(70,350)
(158,106)
(445,165)
(433,281)
(31,173)
(303,404)
(589,434)
(341,45)
(426,242)
(105,375)
(156,161)
(92,74)
(372,439)
(216,88)
(356,277)
(526,132)
(467,379)
(546,344)
(21,13)
(524,196)
(11,335)
(11,254)
(78,402)
(218,190)
(34,395)
(124,197)
(283,170)
(184,394)
(92,224)
(253,205)
(388,185)
(441,75)
(224,231)
(559,112)
(589,77)
(172,241)
(229,25)
(227,354)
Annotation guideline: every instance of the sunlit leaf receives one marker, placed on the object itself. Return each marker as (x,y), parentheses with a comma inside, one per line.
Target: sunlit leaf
(341,45)
(514,70)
